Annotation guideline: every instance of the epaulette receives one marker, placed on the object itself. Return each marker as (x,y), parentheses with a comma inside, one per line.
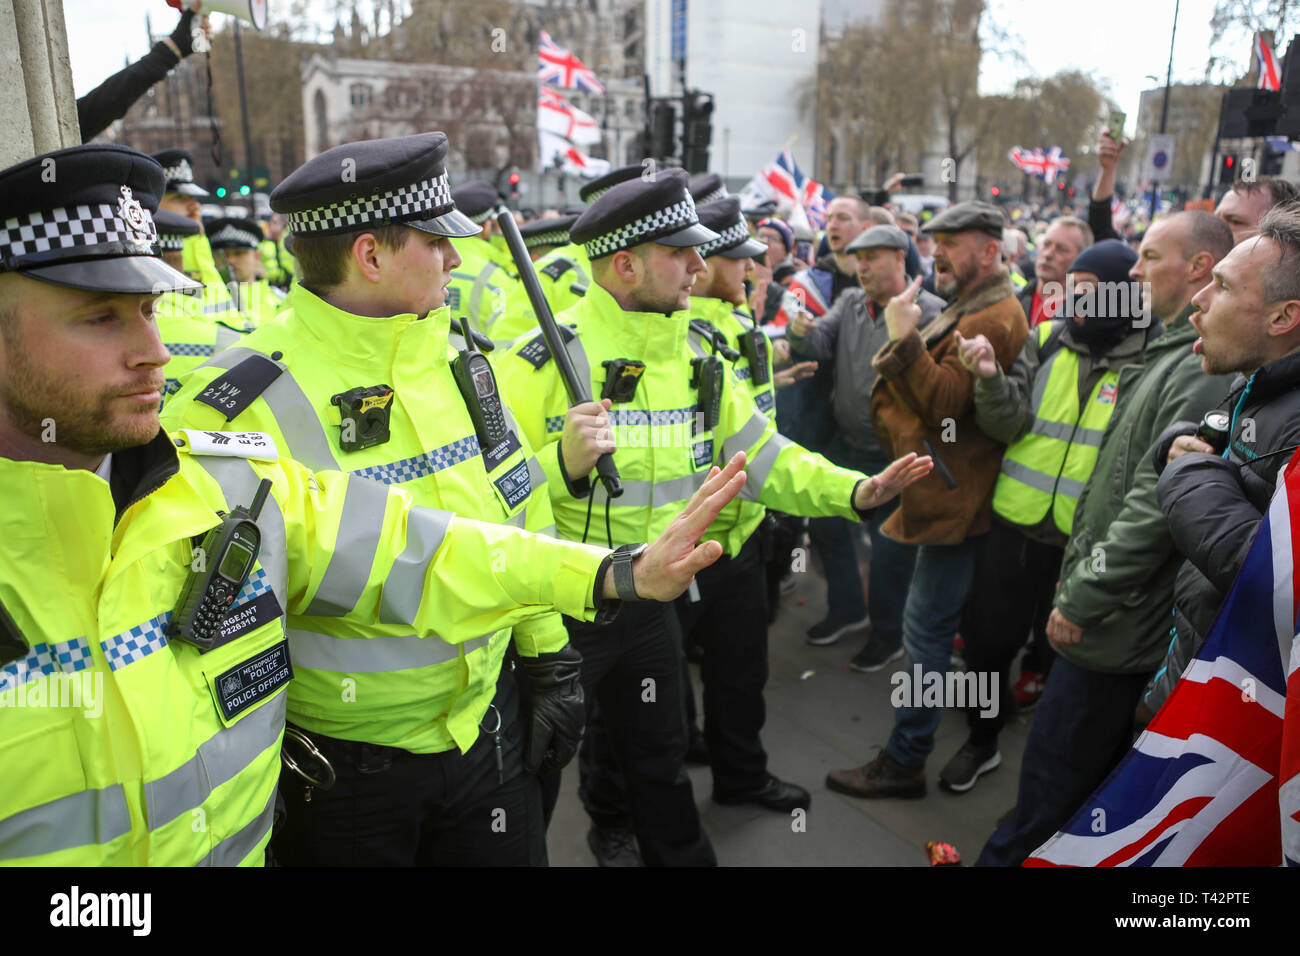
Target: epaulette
(746,320)
(238,388)
(536,353)
(703,328)
(557,268)
(257,445)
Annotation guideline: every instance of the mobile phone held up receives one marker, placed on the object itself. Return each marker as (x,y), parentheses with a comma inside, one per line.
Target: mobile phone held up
(1115,125)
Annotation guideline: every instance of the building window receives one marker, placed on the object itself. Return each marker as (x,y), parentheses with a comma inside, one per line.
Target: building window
(359,95)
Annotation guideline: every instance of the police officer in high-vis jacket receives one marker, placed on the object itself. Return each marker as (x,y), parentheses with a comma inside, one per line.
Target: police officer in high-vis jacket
(191,337)
(145,576)
(236,240)
(674,413)
(360,375)
(486,275)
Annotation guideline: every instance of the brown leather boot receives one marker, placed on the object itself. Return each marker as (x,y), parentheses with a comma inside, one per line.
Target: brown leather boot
(883,777)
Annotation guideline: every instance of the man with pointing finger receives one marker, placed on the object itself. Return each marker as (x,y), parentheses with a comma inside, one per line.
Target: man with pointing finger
(923,401)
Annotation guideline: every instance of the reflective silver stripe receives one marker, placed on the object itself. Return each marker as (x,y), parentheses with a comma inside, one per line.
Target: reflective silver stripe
(88,818)
(1040,381)
(219,308)
(404,587)
(220,759)
(373,655)
(293,411)
(744,439)
(227,337)
(535,474)
(233,849)
(1041,481)
(760,466)
(549,531)
(1067,433)
(238,483)
(360,528)
(476,296)
(695,341)
(653,494)
(519,520)
(579,356)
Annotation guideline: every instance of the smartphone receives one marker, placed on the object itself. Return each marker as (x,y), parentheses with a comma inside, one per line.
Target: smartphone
(1115,125)
(803,250)
(916,179)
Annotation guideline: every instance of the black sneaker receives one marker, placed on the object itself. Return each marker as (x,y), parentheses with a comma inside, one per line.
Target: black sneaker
(829,631)
(873,657)
(613,846)
(961,772)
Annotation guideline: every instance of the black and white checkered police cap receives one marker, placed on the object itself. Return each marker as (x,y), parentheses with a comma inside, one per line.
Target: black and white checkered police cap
(657,209)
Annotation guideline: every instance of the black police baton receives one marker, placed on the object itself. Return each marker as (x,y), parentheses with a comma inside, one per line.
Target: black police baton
(577,388)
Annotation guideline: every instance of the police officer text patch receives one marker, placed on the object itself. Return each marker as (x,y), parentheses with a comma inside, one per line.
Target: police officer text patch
(247,617)
(764,401)
(256,679)
(515,485)
(703,453)
(493,457)
(233,392)
(536,353)
(557,268)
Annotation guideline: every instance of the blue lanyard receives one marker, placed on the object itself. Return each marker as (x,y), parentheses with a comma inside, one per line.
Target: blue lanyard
(1232,429)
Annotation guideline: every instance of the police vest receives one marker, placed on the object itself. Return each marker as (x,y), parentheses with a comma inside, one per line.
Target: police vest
(479,286)
(214,301)
(1048,467)
(361,681)
(190,339)
(665,444)
(564,274)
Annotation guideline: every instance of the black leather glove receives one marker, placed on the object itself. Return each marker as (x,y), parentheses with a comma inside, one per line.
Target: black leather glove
(556,712)
(183,35)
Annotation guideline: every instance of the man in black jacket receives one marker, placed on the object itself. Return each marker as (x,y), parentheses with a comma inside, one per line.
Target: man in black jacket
(1249,322)
(109,101)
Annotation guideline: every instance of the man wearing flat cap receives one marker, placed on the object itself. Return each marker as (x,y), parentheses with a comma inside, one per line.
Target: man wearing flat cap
(111,573)
(236,240)
(428,738)
(486,276)
(674,414)
(923,399)
(847,338)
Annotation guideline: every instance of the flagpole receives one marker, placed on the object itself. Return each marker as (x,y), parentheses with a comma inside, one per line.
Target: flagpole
(1164,109)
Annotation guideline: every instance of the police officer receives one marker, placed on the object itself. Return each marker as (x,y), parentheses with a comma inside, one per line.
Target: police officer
(359,375)
(277,260)
(182,196)
(674,417)
(190,337)
(237,240)
(543,235)
(486,275)
(175,760)
(706,188)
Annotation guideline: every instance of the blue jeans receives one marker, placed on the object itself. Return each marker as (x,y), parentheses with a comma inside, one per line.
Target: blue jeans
(891,562)
(931,617)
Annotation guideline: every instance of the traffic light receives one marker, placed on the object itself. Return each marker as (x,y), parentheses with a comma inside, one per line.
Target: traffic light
(1227,169)
(221,192)
(697,131)
(996,192)
(663,122)
(1060,186)
(244,190)
(513,182)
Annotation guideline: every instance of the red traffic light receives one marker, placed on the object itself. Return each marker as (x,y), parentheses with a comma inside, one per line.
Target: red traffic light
(1060,185)
(514,179)
(1228,161)
(996,191)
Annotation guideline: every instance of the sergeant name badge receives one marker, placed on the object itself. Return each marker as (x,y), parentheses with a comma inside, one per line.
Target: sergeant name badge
(515,485)
(256,679)
(493,457)
(257,445)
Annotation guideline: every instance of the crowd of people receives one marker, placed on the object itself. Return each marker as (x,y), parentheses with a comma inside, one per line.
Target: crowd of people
(331,524)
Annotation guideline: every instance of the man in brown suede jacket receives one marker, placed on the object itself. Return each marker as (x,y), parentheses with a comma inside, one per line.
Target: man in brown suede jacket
(925,396)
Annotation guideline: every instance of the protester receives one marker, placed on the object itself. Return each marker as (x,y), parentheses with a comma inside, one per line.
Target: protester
(1060,245)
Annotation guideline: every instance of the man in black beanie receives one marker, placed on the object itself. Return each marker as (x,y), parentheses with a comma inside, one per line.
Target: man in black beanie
(1051,410)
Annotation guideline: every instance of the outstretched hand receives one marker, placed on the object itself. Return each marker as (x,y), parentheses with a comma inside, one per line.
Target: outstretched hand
(883,487)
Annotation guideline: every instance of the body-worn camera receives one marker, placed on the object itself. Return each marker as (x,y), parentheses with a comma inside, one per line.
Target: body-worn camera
(753,345)
(365,413)
(621,379)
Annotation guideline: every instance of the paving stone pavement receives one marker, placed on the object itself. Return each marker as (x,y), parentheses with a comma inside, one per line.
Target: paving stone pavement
(821,716)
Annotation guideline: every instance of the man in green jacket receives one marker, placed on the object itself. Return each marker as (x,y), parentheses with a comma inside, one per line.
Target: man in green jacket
(1111,621)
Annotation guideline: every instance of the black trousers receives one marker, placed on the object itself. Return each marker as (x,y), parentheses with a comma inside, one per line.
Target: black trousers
(631,669)
(390,807)
(1011,594)
(729,622)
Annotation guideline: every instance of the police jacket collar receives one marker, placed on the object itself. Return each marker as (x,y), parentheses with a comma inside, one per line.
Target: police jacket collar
(645,336)
(366,342)
(140,471)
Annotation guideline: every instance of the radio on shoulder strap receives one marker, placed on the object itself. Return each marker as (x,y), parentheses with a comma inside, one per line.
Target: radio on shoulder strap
(478,388)
(706,376)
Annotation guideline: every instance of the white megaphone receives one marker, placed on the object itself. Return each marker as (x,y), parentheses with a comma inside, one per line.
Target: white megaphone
(250,11)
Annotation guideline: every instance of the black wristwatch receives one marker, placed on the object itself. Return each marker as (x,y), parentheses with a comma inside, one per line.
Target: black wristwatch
(622,559)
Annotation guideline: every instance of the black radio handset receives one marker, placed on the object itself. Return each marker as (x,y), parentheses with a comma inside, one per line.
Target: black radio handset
(478,388)
(12,645)
(218,573)
(706,377)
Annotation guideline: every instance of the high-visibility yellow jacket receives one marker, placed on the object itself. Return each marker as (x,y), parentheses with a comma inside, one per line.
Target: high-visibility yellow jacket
(371,682)
(664,452)
(740,519)
(562,272)
(215,302)
(277,261)
(480,285)
(172,758)
(190,338)
(257,301)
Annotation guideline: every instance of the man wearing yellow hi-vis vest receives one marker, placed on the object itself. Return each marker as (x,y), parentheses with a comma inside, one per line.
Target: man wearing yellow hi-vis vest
(673,414)
(1051,410)
(145,577)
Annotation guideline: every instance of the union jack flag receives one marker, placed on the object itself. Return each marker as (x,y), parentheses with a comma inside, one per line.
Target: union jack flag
(1106,394)
(783,181)
(1045,165)
(1215,779)
(1268,71)
(561,68)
